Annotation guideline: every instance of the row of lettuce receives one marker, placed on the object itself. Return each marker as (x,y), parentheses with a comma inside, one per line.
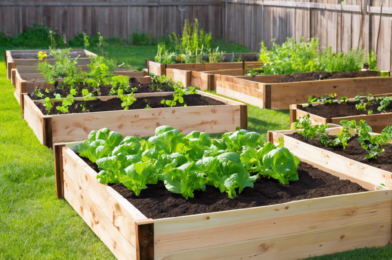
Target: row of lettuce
(186,163)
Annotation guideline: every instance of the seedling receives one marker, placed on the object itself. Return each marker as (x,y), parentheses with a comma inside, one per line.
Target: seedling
(67,102)
(178,96)
(48,105)
(86,97)
(38,93)
(127,100)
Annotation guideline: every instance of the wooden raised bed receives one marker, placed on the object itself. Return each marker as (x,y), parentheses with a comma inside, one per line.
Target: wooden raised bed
(26,83)
(29,58)
(353,170)
(161,69)
(377,121)
(204,80)
(292,230)
(51,129)
(264,92)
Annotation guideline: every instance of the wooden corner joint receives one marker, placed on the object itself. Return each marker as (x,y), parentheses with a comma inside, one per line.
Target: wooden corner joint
(244,116)
(270,137)
(145,239)
(59,170)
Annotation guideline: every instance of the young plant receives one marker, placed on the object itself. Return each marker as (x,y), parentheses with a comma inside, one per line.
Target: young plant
(38,93)
(67,102)
(87,96)
(215,56)
(127,100)
(309,131)
(178,96)
(48,105)
(85,41)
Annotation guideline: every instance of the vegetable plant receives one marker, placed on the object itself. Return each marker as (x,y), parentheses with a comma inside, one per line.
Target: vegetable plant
(178,96)
(187,163)
(127,100)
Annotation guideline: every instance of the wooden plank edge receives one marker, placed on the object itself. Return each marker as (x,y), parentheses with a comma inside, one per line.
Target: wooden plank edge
(48,135)
(145,239)
(244,116)
(58,167)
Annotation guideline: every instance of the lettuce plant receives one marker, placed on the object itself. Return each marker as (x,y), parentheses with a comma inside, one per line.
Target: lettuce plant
(186,163)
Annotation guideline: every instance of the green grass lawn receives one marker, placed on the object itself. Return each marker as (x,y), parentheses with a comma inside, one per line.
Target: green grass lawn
(34,224)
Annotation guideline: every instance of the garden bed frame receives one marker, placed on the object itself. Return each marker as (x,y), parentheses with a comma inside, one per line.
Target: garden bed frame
(203,80)
(29,58)
(263,91)
(51,129)
(26,83)
(290,230)
(161,69)
(377,121)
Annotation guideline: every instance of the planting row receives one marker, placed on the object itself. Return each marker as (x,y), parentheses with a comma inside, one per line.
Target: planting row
(376,110)
(223,198)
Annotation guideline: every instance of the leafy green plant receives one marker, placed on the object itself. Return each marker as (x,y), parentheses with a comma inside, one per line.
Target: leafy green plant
(119,82)
(309,131)
(87,96)
(38,93)
(188,163)
(86,41)
(48,105)
(215,56)
(164,56)
(127,100)
(164,83)
(67,102)
(297,57)
(192,38)
(178,96)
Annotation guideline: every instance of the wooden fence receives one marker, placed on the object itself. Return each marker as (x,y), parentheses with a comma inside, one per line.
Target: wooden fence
(112,18)
(342,25)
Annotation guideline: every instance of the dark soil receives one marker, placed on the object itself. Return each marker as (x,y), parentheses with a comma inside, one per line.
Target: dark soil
(141,103)
(326,75)
(103,90)
(354,151)
(339,110)
(156,202)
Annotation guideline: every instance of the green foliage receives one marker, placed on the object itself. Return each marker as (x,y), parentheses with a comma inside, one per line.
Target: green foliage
(369,100)
(297,57)
(372,60)
(142,38)
(178,96)
(101,71)
(327,99)
(189,163)
(309,131)
(33,37)
(164,83)
(67,102)
(372,144)
(215,56)
(127,100)
(48,105)
(164,56)
(192,38)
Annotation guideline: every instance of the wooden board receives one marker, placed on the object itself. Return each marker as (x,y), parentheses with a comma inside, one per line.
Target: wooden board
(183,76)
(138,122)
(35,62)
(282,95)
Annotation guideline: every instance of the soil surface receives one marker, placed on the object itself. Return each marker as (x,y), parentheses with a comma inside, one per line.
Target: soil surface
(140,103)
(354,151)
(103,90)
(157,202)
(326,75)
(339,110)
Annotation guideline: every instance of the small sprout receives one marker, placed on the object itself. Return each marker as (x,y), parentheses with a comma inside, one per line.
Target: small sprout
(47,90)
(48,105)
(38,93)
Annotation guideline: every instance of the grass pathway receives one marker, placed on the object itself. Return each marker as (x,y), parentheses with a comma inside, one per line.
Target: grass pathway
(34,224)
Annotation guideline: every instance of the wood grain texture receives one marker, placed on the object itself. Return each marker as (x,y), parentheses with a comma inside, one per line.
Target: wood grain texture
(282,95)
(330,161)
(120,213)
(145,238)
(58,167)
(138,122)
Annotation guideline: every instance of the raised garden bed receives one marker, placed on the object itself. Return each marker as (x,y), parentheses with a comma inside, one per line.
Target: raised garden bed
(349,161)
(286,229)
(221,115)
(334,113)
(26,83)
(271,91)
(204,80)
(161,69)
(29,58)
